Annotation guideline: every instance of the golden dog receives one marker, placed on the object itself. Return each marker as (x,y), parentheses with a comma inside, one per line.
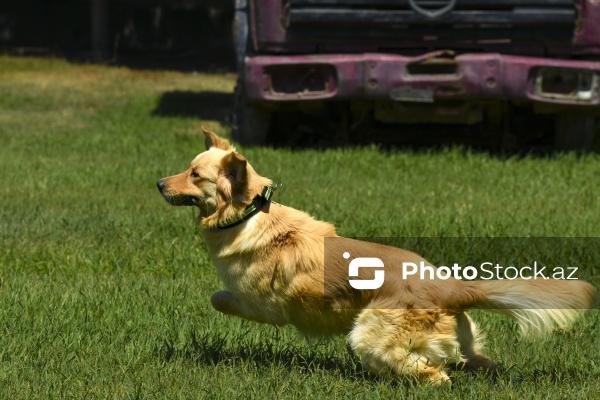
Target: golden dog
(271,260)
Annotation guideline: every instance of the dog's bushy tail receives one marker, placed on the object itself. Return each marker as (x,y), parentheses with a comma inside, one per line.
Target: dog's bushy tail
(538,306)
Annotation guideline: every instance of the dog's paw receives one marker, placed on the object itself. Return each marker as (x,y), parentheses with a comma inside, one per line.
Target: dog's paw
(439,379)
(225,302)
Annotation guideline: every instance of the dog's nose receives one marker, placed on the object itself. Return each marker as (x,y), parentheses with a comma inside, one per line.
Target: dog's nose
(160,184)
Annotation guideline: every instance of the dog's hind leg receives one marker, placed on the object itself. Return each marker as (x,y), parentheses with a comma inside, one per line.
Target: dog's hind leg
(406,342)
(470,338)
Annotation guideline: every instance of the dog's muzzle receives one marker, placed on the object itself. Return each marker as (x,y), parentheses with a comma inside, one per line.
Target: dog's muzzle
(175,200)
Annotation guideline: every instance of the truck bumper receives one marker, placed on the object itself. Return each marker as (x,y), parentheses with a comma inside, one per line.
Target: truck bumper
(426,78)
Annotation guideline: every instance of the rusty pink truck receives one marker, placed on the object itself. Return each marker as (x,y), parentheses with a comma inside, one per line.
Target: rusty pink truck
(505,73)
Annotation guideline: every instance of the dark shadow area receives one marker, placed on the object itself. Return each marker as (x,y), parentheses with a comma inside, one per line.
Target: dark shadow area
(202,105)
(214,57)
(180,35)
(205,58)
(333,126)
(210,349)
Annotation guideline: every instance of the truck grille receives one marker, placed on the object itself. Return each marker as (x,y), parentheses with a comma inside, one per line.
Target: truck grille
(433,22)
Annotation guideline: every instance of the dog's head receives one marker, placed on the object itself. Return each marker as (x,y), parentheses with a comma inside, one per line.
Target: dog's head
(219,181)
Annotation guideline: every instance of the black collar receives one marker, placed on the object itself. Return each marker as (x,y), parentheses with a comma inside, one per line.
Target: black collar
(258,203)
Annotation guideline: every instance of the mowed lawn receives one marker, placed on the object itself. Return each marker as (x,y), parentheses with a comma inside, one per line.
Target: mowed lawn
(104,287)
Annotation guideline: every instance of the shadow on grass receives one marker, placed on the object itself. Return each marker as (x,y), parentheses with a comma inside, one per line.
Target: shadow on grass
(202,105)
(215,349)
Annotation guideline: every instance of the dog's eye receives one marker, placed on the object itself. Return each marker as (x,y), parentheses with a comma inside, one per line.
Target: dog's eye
(194,174)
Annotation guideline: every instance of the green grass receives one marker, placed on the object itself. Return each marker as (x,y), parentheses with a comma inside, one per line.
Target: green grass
(104,287)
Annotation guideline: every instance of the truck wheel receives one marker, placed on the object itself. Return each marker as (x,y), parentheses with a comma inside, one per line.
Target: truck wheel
(250,125)
(574,132)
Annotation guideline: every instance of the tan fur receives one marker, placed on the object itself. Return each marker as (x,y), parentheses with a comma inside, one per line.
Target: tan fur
(272,267)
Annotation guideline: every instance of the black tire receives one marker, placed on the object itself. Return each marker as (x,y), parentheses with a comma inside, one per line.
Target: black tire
(574,132)
(251,124)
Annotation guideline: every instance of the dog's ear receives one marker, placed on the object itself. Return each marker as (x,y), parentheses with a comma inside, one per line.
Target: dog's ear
(212,140)
(234,168)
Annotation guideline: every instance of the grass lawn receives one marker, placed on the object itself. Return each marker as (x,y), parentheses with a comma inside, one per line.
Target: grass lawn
(104,287)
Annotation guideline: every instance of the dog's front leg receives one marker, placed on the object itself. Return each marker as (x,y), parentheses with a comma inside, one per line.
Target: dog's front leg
(227,303)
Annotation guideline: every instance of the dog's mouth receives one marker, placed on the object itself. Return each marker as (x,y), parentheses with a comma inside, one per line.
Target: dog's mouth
(181,200)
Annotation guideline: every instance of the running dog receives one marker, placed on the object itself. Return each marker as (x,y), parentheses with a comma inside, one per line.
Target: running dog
(271,260)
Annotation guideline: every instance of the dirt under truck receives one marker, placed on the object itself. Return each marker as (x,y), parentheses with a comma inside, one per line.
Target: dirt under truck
(504,74)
